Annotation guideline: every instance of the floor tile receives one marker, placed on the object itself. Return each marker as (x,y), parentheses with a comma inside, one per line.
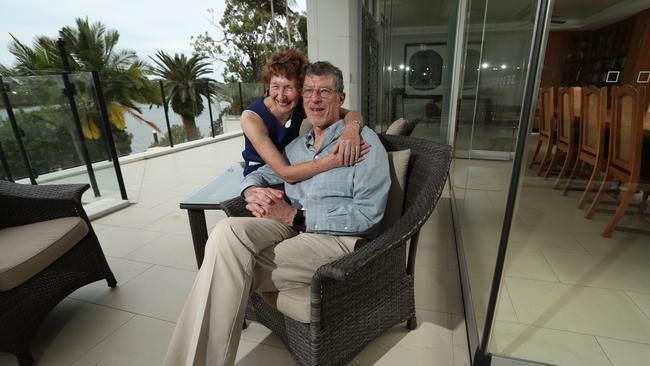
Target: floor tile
(546,345)
(481,285)
(258,333)
(168,250)
(578,309)
(71,329)
(255,354)
(118,241)
(141,341)
(133,217)
(433,330)
(616,270)
(438,290)
(160,292)
(642,301)
(123,270)
(380,356)
(622,353)
(534,236)
(174,223)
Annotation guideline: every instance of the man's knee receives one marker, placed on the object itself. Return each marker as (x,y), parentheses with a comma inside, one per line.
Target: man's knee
(229,225)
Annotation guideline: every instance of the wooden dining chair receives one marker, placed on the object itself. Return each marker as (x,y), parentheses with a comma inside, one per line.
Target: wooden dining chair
(625,151)
(546,106)
(592,150)
(567,131)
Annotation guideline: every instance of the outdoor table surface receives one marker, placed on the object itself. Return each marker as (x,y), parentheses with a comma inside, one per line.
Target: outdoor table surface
(220,188)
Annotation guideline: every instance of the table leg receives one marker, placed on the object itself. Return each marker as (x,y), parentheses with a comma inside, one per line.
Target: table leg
(199,230)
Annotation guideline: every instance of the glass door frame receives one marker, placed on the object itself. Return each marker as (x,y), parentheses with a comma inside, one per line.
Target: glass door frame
(479,354)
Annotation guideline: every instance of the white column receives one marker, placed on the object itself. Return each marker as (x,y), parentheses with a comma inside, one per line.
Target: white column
(333,34)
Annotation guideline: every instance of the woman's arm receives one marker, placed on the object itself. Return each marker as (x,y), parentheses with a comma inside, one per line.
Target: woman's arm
(257,133)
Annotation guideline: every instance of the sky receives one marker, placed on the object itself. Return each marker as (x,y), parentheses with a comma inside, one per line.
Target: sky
(144,25)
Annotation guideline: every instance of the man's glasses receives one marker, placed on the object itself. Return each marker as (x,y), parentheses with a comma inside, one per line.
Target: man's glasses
(324,93)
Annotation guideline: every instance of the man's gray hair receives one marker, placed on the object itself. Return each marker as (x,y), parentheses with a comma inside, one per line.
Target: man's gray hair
(323,68)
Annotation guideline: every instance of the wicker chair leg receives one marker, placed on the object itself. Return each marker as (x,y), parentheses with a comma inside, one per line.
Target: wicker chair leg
(411,323)
(25,358)
(111,281)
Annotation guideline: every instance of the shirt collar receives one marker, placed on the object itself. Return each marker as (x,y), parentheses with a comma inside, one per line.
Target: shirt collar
(331,133)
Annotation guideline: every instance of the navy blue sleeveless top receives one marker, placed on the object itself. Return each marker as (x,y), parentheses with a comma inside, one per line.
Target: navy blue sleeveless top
(279,134)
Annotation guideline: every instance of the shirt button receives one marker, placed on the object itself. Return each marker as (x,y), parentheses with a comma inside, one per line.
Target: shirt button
(316,157)
(315,226)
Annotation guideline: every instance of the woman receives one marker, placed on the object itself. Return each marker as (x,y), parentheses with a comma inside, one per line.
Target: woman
(272,122)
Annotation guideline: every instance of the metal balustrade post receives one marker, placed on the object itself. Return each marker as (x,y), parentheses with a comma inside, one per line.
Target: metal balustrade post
(103,113)
(5,164)
(210,108)
(18,134)
(164,101)
(241,99)
(70,93)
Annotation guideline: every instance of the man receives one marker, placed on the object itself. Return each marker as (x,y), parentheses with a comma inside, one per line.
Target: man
(328,215)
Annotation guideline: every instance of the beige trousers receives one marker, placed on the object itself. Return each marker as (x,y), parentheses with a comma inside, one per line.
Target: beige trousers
(244,255)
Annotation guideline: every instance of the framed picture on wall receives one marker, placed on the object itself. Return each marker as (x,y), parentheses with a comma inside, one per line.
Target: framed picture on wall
(423,68)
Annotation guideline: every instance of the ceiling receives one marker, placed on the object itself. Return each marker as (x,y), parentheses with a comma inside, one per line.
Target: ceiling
(574,13)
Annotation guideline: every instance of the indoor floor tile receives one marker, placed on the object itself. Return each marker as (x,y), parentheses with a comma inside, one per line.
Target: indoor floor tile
(622,353)
(578,309)
(546,345)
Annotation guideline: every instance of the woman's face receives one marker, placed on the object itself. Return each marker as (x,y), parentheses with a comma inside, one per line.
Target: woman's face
(284,93)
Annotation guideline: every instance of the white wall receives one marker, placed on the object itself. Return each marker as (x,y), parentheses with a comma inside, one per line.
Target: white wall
(334,36)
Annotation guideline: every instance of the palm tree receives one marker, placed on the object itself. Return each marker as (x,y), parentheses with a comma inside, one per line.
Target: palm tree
(92,47)
(185,85)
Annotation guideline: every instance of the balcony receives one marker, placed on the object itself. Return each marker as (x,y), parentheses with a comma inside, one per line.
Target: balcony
(149,248)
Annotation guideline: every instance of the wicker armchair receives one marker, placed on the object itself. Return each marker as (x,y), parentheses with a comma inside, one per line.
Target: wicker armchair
(24,307)
(356,298)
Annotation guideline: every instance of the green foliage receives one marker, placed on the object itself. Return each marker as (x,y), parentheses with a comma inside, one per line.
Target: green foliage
(179,135)
(185,86)
(50,145)
(90,47)
(250,37)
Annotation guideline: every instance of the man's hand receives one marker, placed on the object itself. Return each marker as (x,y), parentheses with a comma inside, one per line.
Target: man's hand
(280,211)
(259,200)
(349,144)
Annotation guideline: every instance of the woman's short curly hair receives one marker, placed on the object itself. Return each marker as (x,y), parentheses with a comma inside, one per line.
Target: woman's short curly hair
(290,64)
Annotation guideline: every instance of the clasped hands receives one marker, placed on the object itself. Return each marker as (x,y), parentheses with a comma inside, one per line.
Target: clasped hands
(269,203)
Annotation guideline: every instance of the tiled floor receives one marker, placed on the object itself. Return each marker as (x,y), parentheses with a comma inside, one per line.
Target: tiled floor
(148,246)
(569,296)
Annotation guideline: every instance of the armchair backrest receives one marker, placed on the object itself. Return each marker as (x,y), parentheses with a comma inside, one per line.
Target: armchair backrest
(427,174)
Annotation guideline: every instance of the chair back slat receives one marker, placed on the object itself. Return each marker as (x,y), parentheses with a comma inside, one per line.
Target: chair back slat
(626,129)
(567,114)
(547,109)
(592,120)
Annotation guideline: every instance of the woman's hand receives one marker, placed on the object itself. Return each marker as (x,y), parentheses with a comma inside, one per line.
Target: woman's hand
(349,144)
(335,158)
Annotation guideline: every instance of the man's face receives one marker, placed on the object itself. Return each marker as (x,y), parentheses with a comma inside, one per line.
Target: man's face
(321,100)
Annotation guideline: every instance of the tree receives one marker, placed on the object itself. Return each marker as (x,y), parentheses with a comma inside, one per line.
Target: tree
(91,47)
(185,86)
(248,29)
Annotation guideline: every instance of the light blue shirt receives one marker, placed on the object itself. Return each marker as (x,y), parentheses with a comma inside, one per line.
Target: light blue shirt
(340,201)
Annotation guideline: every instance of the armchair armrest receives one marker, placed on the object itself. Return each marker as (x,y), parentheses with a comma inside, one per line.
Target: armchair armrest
(235,207)
(24,204)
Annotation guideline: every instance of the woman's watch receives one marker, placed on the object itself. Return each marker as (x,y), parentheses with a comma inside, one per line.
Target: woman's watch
(299,221)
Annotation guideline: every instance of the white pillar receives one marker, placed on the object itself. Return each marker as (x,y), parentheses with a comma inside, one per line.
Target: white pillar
(333,32)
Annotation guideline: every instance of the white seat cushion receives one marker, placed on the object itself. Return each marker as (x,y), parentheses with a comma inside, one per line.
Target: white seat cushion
(28,249)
